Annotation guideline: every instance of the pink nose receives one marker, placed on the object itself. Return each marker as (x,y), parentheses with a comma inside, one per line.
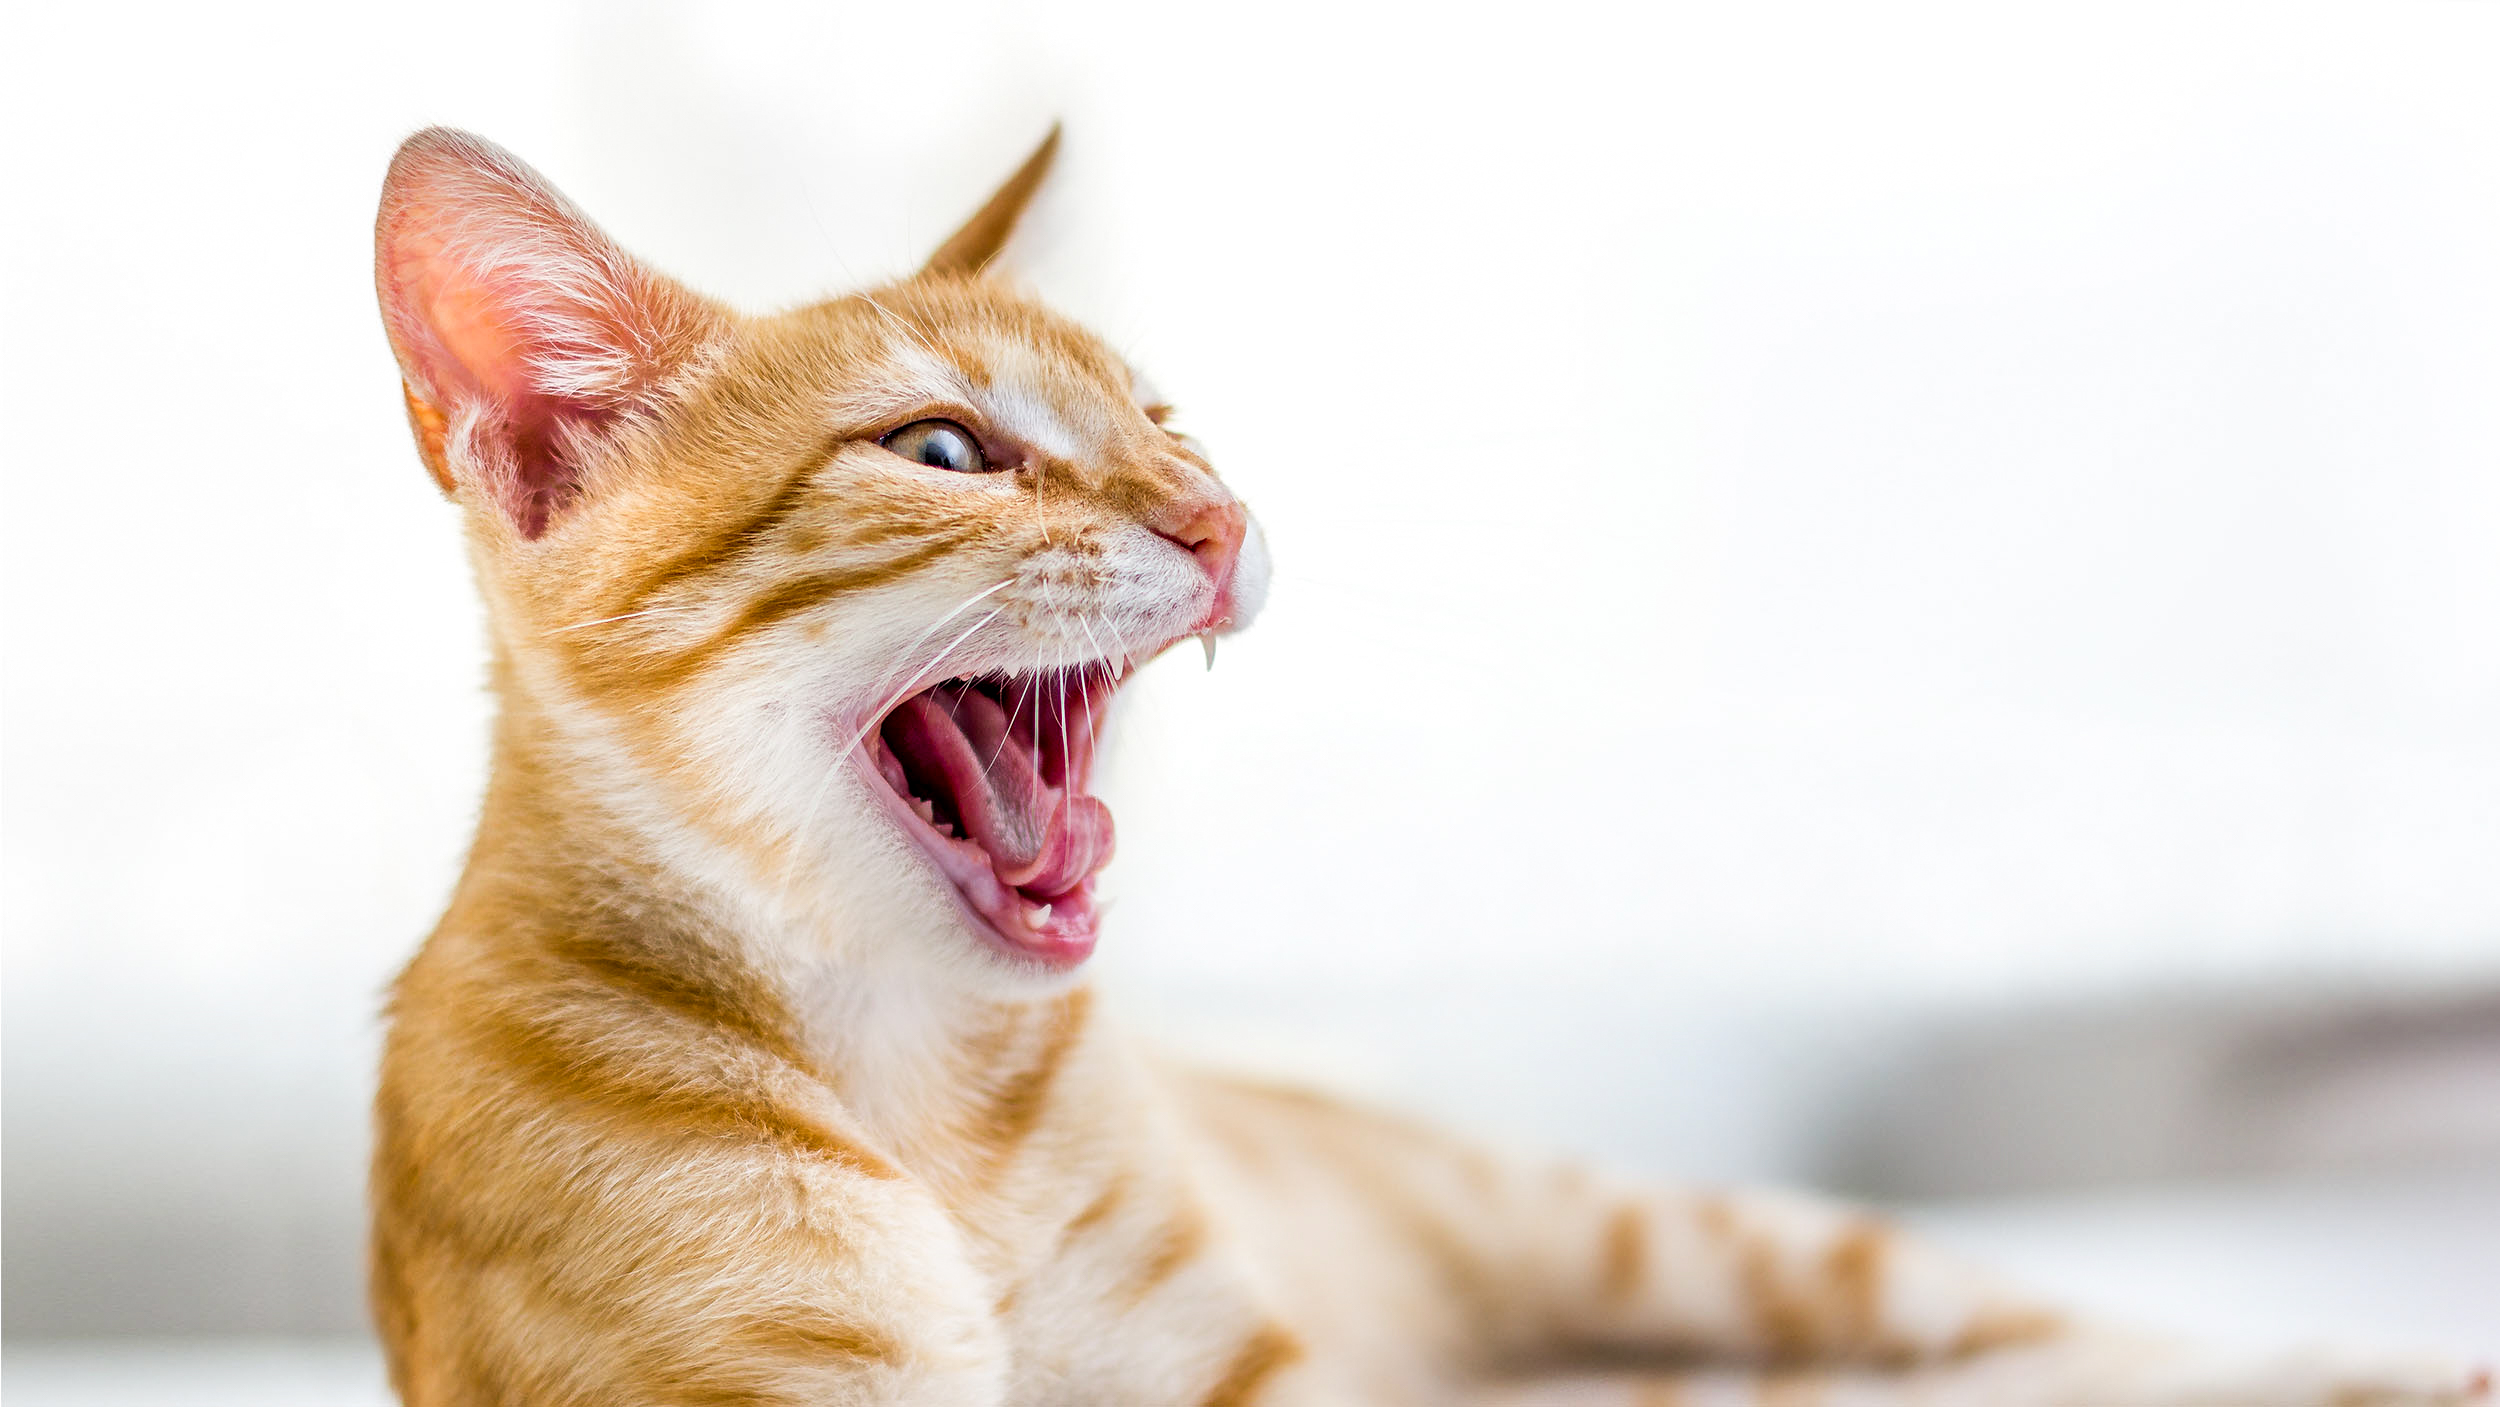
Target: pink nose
(1211,531)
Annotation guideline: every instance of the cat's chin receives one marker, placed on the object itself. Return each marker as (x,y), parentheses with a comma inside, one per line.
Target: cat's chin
(988,776)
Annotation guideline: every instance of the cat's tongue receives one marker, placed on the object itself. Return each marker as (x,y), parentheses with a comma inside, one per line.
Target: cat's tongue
(1041,839)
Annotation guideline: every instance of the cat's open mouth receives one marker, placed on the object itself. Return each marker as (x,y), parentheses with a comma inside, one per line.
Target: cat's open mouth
(989,775)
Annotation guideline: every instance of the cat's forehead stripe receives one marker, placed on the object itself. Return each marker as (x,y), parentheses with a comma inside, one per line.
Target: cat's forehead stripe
(1030,420)
(1032,377)
(1040,399)
(934,377)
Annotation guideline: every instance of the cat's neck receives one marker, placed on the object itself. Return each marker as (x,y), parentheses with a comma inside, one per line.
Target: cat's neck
(942,1064)
(948,1079)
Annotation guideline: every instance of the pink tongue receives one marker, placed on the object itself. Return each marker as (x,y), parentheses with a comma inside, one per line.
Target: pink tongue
(1041,839)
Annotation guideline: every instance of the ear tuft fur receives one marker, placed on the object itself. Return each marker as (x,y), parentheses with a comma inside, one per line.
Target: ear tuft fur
(522,330)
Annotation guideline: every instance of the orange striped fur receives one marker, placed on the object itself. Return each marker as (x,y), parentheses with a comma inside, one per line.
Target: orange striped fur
(710,1088)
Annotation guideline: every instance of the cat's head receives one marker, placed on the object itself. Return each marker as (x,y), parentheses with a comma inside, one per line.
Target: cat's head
(824,607)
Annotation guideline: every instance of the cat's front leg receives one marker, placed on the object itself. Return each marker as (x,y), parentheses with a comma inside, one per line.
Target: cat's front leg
(1798,1281)
(1506,1262)
(1767,1276)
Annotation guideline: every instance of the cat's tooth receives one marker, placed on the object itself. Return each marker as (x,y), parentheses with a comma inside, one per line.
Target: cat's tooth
(1207,638)
(1035,917)
(927,812)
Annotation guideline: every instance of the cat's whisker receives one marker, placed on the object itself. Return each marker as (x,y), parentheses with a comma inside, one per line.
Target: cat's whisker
(611,620)
(1062,682)
(940,623)
(878,717)
(933,627)
(1110,669)
(902,326)
(1059,681)
(1127,656)
(1038,677)
(1007,735)
(832,250)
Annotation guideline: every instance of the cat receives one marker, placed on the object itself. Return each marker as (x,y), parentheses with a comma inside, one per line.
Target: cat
(753,1060)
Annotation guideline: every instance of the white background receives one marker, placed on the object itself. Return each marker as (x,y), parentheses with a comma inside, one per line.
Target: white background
(1789,519)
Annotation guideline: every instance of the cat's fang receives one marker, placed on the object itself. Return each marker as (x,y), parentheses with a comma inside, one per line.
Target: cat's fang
(1207,638)
(1036,917)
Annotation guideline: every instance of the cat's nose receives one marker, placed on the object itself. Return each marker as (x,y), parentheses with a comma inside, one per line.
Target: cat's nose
(1210,530)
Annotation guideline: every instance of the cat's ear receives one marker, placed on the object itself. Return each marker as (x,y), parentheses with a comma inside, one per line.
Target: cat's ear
(523,332)
(971,248)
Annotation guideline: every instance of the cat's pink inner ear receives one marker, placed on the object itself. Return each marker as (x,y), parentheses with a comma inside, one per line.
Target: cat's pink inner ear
(518,324)
(470,324)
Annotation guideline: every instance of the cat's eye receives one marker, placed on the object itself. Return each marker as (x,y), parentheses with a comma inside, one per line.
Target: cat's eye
(940,444)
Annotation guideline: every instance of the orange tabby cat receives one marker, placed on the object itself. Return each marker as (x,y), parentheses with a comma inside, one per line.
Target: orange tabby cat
(754,1063)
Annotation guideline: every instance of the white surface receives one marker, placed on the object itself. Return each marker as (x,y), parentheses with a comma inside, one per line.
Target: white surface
(1775,506)
(2412,1263)
(2392,1262)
